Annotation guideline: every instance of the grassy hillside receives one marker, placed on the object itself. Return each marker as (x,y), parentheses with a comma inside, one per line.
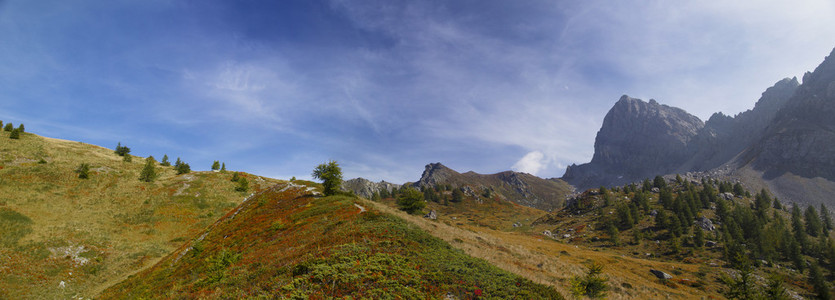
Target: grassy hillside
(285,243)
(91,233)
(513,238)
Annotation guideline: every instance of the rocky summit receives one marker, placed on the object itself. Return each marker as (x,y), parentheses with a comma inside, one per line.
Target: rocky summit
(638,139)
(786,143)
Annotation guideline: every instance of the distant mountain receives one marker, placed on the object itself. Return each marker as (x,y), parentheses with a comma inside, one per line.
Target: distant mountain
(522,188)
(366,188)
(638,140)
(785,143)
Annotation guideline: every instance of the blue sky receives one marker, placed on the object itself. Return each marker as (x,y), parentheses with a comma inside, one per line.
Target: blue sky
(384,87)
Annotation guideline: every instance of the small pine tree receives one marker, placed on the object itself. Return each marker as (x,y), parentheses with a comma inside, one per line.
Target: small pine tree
(177,163)
(215,166)
(411,201)
(15,135)
(9,127)
(813,221)
(127,158)
(375,196)
(165,162)
(83,171)
(614,234)
(243,185)
(774,289)
(183,168)
(331,175)
(819,282)
(1,124)
(223,170)
(235,177)
(699,237)
(148,173)
(826,220)
(457,195)
(21,128)
(592,285)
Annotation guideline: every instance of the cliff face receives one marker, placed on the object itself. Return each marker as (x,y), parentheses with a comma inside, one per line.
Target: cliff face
(638,139)
(522,188)
(366,188)
(724,137)
(785,143)
(801,139)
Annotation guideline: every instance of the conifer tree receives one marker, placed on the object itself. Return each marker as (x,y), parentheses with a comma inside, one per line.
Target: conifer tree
(819,282)
(165,162)
(121,150)
(375,196)
(148,173)
(177,163)
(826,220)
(15,135)
(127,158)
(411,201)
(243,185)
(813,221)
(223,168)
(21,128)
(331,175)
(1,124)
(215,166)
(457,195)
(614,234)
(8,127)
(699,237)
(183,168)
(83,171)
(235,177)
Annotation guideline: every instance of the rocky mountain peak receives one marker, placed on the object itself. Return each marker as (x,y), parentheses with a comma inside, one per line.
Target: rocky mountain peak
(435,173)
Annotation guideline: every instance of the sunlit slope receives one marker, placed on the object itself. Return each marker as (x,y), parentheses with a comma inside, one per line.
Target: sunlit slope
(89,233)
(284,242)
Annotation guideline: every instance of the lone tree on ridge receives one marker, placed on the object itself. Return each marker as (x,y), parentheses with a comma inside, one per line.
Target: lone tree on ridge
(331,175)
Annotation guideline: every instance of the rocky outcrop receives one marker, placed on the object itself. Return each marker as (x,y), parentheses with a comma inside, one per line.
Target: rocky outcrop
(637,140)
(802,138)
(786,143)
(365,188)
(522,188)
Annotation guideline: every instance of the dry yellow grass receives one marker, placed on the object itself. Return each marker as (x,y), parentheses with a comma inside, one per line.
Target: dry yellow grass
(92,233)
(544,260)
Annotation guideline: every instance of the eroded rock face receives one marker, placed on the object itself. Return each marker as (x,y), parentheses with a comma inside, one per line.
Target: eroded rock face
(802,138)
(637,140)
(365,188)
(434,174)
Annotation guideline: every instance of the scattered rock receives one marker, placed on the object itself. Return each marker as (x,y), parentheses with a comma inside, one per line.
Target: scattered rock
(548,233)
(710,244)
(431,215)
(705,223)
(62,284)
(517,224)
(566,235)
(727,196)
(660,274)
(653,213)
(655,190)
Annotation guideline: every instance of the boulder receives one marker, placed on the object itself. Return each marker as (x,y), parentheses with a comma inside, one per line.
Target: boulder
(705,223)
(431,215)
(548,233)
(710,244)
(660,274)
(727,196)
